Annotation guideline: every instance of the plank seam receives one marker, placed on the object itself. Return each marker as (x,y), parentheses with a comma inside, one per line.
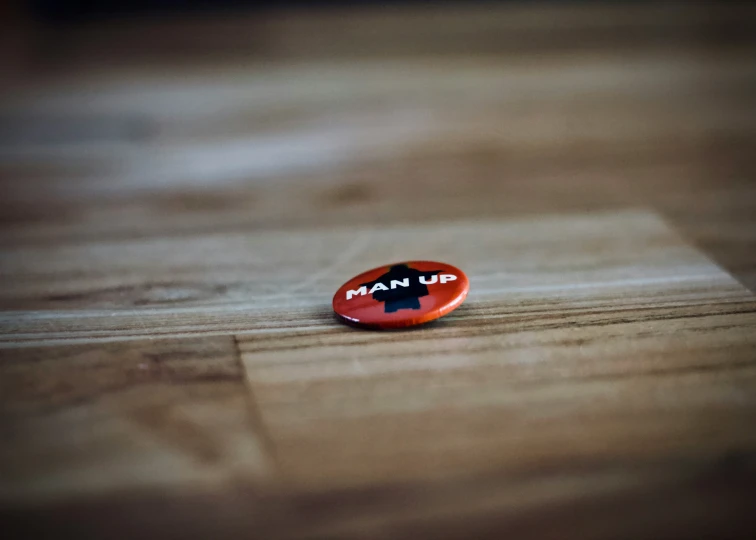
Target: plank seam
(258,424)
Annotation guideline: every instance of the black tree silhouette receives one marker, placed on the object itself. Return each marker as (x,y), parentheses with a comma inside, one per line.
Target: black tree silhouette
(401,297)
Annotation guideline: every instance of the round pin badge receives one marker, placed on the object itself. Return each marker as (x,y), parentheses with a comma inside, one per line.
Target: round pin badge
(401,295)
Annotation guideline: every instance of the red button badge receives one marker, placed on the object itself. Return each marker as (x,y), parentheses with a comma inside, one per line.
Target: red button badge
(401,295)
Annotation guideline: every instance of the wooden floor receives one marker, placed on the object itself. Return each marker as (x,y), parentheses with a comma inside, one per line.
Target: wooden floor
(180,199)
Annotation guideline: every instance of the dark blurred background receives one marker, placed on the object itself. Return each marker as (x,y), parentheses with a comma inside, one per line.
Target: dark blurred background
(72,10)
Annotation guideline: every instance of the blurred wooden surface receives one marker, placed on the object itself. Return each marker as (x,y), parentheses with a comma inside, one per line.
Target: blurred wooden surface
(179,200)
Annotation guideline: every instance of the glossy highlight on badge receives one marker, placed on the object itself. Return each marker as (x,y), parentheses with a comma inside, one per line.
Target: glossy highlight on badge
(401,294)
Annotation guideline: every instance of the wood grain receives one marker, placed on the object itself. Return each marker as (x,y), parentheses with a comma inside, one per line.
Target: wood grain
(94,418)
(615,305)
(213,284)
(181,197)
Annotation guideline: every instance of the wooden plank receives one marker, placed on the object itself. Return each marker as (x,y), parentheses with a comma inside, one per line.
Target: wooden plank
(512,400)
(591,501)
(547,374)
(318,145)
(96,419)
(214,284)
(385,193)
(722,222)
(536,370)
